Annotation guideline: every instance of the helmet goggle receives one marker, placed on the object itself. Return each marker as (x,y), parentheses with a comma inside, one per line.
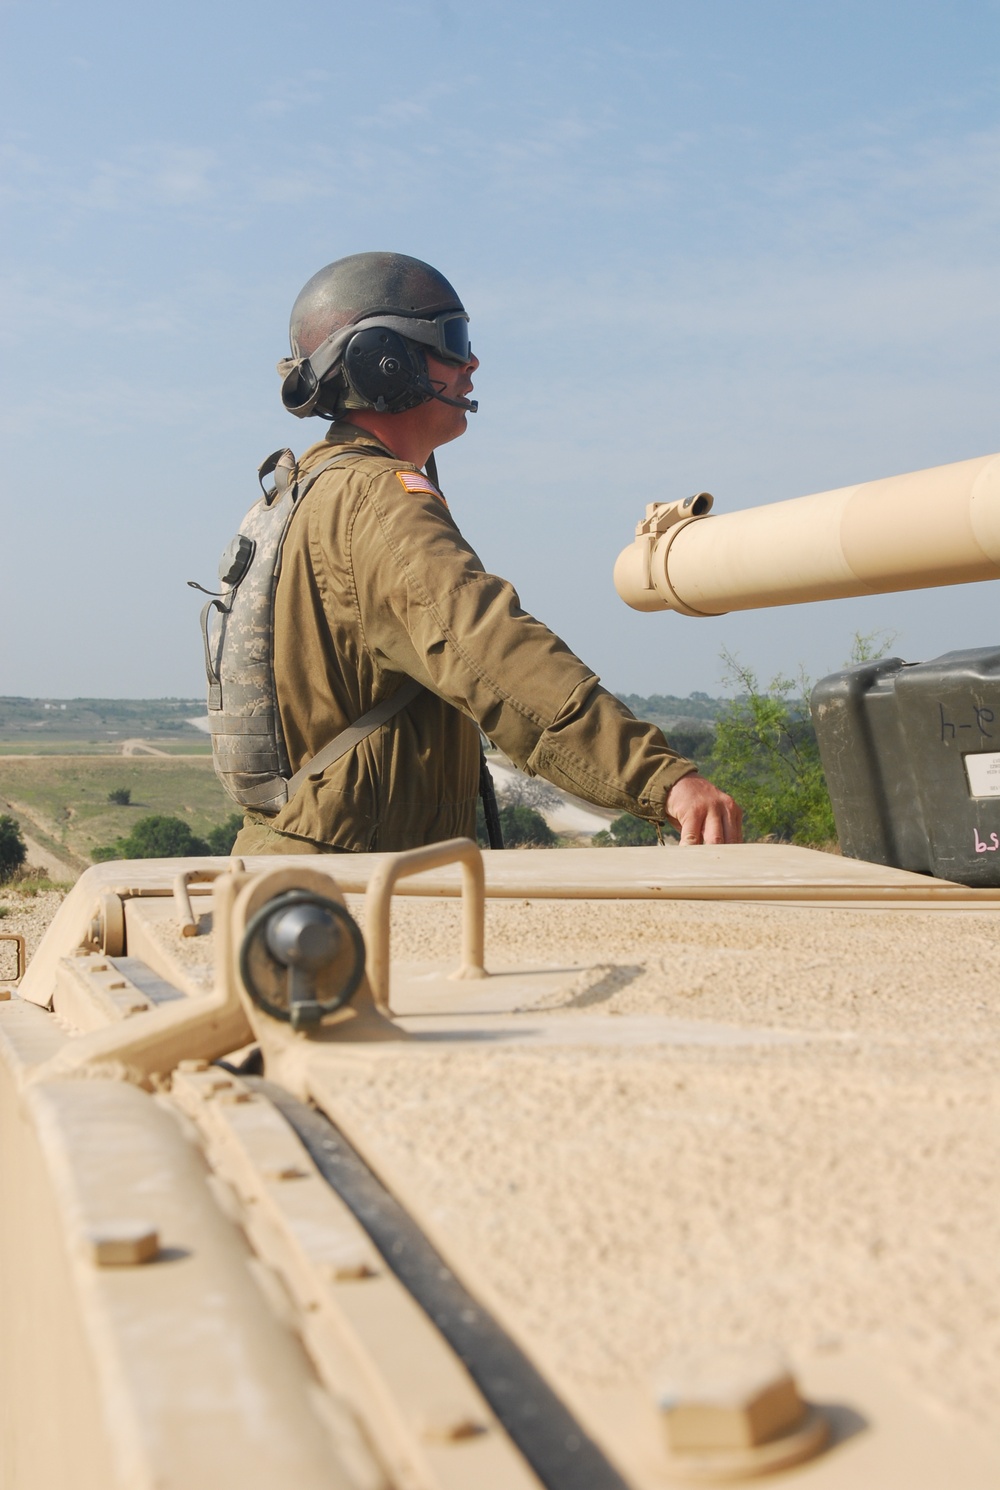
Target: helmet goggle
(447,334)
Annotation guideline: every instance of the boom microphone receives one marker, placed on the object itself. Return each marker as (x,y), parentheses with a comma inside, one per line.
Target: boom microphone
(472,404)
(469,404)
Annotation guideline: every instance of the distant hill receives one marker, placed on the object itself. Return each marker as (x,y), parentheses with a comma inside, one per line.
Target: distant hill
(98,720)
(667,708)
(688,723)
(38,722)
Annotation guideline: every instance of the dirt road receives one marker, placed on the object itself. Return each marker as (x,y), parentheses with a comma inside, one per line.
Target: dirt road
(62,869)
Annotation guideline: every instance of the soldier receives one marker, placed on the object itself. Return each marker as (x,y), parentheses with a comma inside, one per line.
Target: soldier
(378,587)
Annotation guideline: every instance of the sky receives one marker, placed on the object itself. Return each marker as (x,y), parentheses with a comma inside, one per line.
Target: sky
(743,246)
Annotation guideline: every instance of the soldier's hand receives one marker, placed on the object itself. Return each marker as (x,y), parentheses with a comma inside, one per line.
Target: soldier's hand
(703,814)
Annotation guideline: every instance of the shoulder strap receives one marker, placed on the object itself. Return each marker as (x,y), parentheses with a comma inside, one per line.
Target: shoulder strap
(302,486)
(368,723)
(355,733)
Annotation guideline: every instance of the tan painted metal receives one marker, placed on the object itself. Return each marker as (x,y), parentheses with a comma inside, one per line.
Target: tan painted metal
(737,1414)
(206,1026)
(370,1342)
(745,871)
(186,917)
(107,927)
(90,993)
(18,940)
(879,1437)
(935,527)
(769,872)
(204,1311)
(139,1351)
(381,886)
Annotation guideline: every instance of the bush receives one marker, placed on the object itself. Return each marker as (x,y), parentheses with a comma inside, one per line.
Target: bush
(121,796)
(31,880)
(156,837)
(696,744)
(625,831)
(221,838)
(766,756)
(13,851)
(522,827)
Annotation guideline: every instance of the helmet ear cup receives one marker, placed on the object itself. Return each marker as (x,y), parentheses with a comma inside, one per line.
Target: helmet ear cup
(386,370)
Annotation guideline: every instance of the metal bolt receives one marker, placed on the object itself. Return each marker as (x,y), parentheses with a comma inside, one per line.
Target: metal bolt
(286,1172)
(450,1422)
(729,1400)
(192,1066)
(350,1264)
(122,1243)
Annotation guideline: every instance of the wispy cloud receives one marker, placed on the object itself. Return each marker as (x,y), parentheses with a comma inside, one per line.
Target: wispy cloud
(297,92)
(23,172)
(43,308)
(295,186)
(113,403)
(151,175)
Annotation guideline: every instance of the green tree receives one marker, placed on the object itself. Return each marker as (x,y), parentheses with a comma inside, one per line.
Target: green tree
(695,743)
(869,646)
(13,851)
(522,827)
(222,837)
(766,756)
(625,831)
(155,837)
(121,796)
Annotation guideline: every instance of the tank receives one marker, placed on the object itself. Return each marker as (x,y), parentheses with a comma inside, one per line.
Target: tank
(583,1170)
(592,1168)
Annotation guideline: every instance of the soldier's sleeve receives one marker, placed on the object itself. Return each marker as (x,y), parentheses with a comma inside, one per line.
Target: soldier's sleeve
(429,609)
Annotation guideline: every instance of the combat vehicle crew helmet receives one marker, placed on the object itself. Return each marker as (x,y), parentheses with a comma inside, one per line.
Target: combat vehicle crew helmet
(360,331)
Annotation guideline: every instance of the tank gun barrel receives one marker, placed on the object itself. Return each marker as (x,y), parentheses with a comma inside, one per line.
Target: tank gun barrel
(928,528)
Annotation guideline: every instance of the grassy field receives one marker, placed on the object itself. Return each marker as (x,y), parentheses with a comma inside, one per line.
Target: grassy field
(100,726)
(59,759)
(192,746)
(62,801)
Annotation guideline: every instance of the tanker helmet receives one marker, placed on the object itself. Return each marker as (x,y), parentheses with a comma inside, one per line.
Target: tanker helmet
(359,333)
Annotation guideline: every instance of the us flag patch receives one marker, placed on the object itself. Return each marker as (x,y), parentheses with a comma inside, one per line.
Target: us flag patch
(413,481)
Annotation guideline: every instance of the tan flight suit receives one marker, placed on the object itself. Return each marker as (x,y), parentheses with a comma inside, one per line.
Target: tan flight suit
(377,584)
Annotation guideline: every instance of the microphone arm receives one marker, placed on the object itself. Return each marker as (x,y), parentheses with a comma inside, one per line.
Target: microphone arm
(471,405)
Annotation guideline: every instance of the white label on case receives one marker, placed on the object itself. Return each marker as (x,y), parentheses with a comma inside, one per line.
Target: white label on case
(983,771)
